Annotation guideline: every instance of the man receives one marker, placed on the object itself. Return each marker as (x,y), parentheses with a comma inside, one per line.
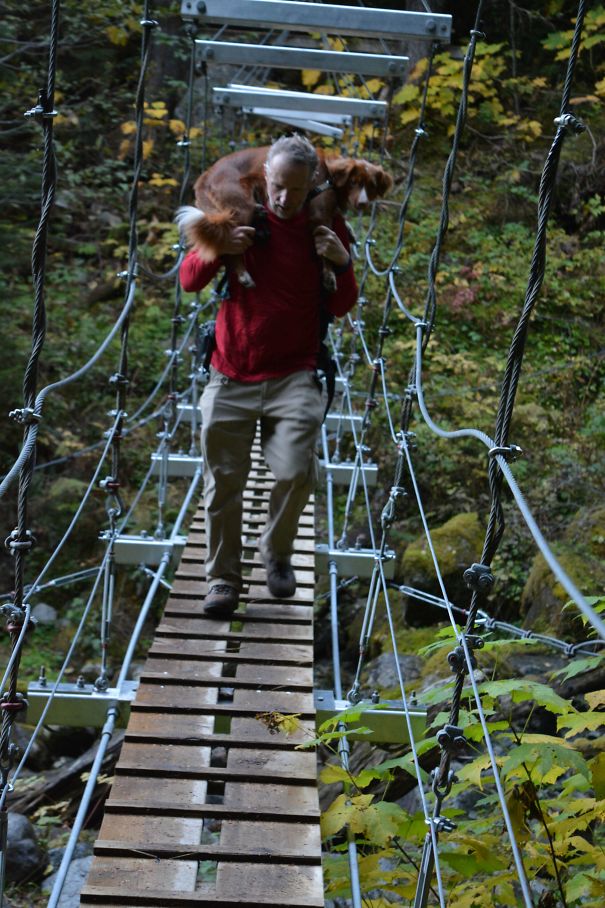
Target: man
(263,370)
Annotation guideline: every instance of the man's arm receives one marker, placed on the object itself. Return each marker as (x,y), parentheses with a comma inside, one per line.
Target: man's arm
(334,245)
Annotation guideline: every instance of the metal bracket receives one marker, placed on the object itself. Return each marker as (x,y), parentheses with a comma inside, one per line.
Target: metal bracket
(341,20)
(388,724)
(342,473)
(321,129)
(186,413)
(281,57)
(343,421)
(178,465)
(350,562)
(245,96)
(78,705)
(146,550)
(335,119)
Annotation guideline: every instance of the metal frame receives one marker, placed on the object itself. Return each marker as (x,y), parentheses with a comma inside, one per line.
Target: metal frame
(322,129)
(341,20)
(281,57)
(246,96)
(343,472)
(386,719)
(343,422)
(146,550)
(353,562)
(178,465)
(78,705)
(334,119)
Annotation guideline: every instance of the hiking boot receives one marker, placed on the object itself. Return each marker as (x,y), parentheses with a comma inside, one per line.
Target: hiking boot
(280,578)
(221,601)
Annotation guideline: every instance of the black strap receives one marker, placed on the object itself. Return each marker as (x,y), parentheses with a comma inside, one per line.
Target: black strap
(317,190)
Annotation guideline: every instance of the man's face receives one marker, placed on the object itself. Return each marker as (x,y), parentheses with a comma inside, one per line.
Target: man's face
(288,184)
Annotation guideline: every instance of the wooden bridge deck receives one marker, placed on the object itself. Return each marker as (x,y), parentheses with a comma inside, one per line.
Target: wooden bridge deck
(208,805)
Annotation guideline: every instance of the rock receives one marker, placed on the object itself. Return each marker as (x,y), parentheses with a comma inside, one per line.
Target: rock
(74,881)
(25,858)
(458,544)
(382,672)
(580,553)
(44,613)
(55,855)
(40,756)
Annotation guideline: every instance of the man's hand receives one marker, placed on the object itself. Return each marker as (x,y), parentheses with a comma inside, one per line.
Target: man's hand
(328,244)
(241,238)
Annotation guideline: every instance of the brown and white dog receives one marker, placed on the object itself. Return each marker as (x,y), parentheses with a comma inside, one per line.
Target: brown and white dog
(232,192)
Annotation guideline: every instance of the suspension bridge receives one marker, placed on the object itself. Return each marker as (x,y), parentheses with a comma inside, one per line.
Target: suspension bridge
(211,772)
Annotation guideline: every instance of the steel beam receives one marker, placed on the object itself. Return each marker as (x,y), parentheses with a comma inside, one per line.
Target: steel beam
(78,705)
(279,57)
(146,550)
(353,562)
(245,96)
(343,421)
(178,465)
(385,719)
(305,17)
(321,129)
(342,473)
(334,119)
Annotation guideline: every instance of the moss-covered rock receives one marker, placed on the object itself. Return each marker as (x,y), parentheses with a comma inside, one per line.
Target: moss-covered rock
(580,553)
(457,543)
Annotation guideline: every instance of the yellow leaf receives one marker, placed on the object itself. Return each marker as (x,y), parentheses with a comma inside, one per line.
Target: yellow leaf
(333,773)
(128,128)
(156,113)
(176,126)
(147,148)
(337,44)
(116,35)
(323,90)
(406,94)
(195,132)
(310,77)
(374,85)
(596,699)
(407,116)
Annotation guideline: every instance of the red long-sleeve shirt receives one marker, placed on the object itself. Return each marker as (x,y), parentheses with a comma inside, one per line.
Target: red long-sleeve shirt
(272,329)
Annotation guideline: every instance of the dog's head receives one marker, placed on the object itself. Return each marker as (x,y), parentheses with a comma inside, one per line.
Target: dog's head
(357,182)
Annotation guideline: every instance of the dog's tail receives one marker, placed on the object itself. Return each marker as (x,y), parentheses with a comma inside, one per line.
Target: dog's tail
(207,233)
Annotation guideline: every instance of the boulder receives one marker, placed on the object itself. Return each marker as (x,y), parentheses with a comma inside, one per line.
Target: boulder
(25,859)
(74,881)
(580,553)
(458,544)
(382,672)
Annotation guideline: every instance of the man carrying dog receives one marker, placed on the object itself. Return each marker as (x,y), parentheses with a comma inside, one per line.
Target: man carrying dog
(263,370)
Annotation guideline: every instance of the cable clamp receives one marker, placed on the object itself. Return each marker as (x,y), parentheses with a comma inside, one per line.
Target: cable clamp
(458,663)
(384,331)
(421,324)
(411,392)
(25,416)
(109,484)
(443,824)
(39,112)
(478,577)
(421,132)
(451,739)
(475,33)
(119,380)
(568,121)
(510,453)
(18,541)
(13,706)
(442,788)
(149,23)
(183,143)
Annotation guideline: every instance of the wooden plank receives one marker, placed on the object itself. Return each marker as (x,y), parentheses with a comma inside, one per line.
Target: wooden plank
(266,677)
(257,880)
(288,844)
(266,611)
(196,700)
(181,833)
(276,633)
(271,809)
(248,652)
(140,874)
(109,896)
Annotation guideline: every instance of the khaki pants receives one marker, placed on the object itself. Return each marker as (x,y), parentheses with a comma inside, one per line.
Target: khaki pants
(290,411)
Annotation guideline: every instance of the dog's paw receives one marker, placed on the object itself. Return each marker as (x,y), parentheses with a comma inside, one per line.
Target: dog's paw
(328,279)
(245,279)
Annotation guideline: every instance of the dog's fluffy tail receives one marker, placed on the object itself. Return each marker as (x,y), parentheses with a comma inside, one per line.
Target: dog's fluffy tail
(207,233)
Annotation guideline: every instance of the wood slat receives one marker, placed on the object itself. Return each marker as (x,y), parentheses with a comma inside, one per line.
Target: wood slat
(172,777)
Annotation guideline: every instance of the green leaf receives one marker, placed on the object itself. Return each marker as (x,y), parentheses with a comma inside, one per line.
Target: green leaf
(587,721)
(521,691)
(597,774)
(578,666)
(546,760)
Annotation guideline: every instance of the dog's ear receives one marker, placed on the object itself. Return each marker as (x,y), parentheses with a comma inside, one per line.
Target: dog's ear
(341,170)
(384,181)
